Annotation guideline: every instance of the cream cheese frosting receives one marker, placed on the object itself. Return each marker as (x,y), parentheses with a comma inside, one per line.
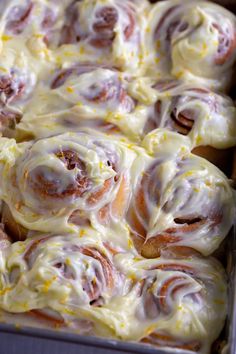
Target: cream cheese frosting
(107,218)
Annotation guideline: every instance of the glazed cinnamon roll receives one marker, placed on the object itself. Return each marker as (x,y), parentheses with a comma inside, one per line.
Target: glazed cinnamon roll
(64,181)
(33,22)
(181,300)
(63,276)
(205,117)
(192,40)
(104,29)
(85,95)
(180,201)
(17,82)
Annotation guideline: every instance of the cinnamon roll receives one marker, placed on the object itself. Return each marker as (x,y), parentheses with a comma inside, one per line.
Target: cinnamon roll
(33,22)
(63,181)
(183,300)
(192,40)
(109,30)
(17,82)
(206,117)
(85,95)
(54,278)
(179,200)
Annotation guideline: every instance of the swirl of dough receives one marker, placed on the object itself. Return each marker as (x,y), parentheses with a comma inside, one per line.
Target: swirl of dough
(175,294)
(177,301)
(106,28)
(85,95)
(190,109)
(29,19)
(58,275)
(19,17)
(105,86)
(17,82)
(179,201)
(66,180)
(198,38)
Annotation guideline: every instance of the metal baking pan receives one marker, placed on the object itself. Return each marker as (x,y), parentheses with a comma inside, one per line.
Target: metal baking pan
(29,340)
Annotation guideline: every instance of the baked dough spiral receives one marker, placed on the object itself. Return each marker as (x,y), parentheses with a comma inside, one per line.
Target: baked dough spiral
(31,20)
(106,30)
(206,117)
(179,200)
(74,271)
(67,180)
(84,95)
(192,40)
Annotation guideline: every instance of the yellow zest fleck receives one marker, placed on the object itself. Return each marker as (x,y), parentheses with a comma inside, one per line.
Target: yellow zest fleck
(70,89)
(140,56)
(178,324)
(198,139)
(48,283)
(167,94)
(109,116)
(130,243)
(64,300)
(179,74)
(188,174)
(3,69)
(158,44)
(82,233)
(68,261)
(39,35)
(6,38)
(123,140)
(25,306)
(81,50)
(5,290)
(132,276)
(68,54)
(164,137)
(122,325)
(157,60)
(197,190)
(68,312)
(208,183)
(150,330)
(58,61)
